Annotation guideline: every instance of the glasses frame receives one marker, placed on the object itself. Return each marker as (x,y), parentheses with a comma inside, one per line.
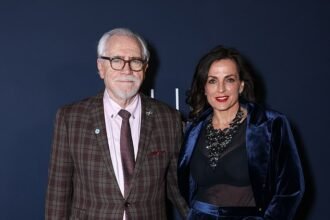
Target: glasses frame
(110,59)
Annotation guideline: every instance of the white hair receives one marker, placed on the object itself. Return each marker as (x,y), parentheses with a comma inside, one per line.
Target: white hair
(122,32)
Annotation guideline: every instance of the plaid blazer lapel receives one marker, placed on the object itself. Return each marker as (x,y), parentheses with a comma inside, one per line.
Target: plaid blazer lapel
(97,114)
(147,121)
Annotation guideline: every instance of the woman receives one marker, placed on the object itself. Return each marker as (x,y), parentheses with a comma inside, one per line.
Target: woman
(238,161)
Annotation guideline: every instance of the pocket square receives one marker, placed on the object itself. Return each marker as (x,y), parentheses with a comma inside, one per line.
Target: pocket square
(156,153)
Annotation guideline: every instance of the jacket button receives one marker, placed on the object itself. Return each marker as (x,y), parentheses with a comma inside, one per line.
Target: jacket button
(127,204)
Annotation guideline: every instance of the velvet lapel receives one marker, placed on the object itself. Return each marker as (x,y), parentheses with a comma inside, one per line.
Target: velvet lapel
(191,136)
(258,149)
(97,116)
(147,122)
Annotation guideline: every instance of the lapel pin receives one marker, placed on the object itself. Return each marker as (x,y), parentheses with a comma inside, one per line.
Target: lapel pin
(97,131)
(148,112)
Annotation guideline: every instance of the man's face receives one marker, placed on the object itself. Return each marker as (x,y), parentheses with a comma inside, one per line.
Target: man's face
(123,84)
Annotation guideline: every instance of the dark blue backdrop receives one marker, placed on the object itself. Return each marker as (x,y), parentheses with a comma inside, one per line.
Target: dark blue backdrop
(48,58)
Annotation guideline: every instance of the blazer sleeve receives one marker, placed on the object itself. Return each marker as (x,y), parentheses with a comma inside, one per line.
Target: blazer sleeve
(288,177)
(173,192)
(60,172)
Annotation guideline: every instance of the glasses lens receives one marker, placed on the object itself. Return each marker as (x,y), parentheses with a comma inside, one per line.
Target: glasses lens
(117,63)
(136,65)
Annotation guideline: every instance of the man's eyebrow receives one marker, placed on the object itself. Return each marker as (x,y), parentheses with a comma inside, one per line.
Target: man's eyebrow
(117,57)
(122,57)
(139,58)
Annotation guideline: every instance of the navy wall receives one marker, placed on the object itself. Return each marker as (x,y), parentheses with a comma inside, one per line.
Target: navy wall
(48,58)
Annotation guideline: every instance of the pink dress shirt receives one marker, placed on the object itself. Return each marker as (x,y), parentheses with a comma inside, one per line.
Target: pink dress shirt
(113,124)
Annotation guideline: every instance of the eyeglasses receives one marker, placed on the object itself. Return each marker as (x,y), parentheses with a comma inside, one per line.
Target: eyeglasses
(117,63)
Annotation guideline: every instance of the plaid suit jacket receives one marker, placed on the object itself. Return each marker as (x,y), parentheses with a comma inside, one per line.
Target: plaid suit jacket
(82,183)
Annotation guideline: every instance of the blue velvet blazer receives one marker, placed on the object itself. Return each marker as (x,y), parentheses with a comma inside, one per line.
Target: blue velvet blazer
(274,165)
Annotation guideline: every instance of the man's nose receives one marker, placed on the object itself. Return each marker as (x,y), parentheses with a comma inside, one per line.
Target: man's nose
(127,69)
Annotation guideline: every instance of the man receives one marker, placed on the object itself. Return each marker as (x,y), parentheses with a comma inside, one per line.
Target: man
(108,166)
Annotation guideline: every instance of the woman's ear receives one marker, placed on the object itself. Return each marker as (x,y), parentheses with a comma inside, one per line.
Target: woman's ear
(241,87)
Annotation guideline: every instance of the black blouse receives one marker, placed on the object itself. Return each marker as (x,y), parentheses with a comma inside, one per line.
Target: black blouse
(228,185)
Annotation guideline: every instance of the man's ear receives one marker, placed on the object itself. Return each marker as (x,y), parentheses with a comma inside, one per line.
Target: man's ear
(101,68)
(145,70)
(146,67)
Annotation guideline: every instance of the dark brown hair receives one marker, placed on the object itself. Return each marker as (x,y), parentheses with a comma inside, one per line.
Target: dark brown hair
(196,98)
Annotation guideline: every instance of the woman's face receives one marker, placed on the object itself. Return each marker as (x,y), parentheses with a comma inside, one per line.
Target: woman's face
(223,85)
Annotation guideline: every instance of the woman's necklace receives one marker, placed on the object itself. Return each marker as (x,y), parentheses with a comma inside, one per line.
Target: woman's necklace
(217,140)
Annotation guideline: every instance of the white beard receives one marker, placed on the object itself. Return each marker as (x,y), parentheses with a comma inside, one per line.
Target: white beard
(126,94)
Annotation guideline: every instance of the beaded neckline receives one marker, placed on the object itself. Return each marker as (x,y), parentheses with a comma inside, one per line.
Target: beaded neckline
(217,140)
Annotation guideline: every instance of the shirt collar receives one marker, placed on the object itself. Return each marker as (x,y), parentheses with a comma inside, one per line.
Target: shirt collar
(114,108)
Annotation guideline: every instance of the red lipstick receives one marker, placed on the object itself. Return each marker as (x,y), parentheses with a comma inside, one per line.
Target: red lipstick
(221,98)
